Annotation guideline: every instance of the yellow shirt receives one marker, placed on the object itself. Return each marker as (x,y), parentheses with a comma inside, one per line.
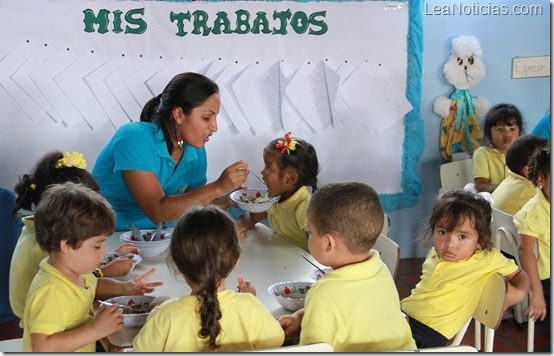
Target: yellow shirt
(489,163)
(512,194)
(245,325)
(534,220)
(289,218)
(356,308)
(55,304)
(448,292)
(24,266)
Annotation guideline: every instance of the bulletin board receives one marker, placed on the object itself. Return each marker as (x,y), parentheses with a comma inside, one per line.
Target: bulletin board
(343,75)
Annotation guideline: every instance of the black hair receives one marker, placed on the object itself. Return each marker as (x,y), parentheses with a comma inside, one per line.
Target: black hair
(455,206)
(520,151)
(507,114)
(303,159)
(31,186)
(187,91)
(539,164)
(205,248)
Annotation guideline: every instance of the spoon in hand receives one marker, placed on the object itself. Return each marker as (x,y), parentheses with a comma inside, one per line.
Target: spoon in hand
(255,175)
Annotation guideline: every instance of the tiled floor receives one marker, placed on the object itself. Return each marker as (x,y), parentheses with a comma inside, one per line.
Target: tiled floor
(509,337)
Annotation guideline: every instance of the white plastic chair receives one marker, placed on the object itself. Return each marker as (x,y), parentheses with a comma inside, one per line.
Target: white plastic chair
(455,175)
(317,347)
(11,345)
(489,312)
(386,226)
(390,253)
(458,348)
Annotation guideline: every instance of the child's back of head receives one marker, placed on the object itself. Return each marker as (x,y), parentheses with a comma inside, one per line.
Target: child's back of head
(539,165)
(205,248)
(350,210)
(53,168)
(71,212)
(454,207)
(520,151)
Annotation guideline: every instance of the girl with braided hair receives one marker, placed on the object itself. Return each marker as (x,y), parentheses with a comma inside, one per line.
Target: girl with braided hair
(205,249)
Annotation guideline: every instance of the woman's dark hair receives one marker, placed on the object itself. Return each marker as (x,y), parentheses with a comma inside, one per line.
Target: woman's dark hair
(205,248)
(30,187)
(539,164)
(506,114)
(187,91)
(454,207)
(303,159)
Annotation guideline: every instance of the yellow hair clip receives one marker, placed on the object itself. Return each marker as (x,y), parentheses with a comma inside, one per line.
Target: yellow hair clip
(73,159)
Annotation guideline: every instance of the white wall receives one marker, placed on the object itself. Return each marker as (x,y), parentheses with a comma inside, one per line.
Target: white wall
(502,38)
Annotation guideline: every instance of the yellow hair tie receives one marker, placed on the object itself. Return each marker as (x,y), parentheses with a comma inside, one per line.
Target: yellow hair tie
(73,159)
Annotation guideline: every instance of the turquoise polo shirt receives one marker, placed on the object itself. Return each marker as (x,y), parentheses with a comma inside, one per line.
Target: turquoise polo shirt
(140,146)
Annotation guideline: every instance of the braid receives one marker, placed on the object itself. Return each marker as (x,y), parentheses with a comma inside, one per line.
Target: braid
(210,314)
(539,164)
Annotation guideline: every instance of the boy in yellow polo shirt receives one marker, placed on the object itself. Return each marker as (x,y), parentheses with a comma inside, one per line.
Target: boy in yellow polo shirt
(72,223)
(457,268)
(355,307)
(516,189)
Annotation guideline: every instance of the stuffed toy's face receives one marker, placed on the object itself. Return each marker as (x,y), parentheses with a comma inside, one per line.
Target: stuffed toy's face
(464,67)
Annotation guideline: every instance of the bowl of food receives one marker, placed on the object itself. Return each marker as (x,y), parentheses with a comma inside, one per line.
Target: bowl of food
(110,256)
(291,294)
(316,274)
(136,309)
(148,248)
(256,200)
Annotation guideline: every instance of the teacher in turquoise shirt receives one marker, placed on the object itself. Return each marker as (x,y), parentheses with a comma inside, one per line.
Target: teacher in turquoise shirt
(155,169)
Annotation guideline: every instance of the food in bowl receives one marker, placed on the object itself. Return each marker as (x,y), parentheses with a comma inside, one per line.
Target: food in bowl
(110,256)
(134,317)
(148,248)
(253,200)
(316,274)
(291,294)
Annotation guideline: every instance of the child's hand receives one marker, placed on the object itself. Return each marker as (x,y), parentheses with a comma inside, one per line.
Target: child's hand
(128,247)
(537,307)
(139,286)
(290,324)
(107,320)
(245,286)
(118,267)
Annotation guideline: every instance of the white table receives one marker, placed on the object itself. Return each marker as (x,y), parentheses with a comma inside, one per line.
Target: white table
(266,258)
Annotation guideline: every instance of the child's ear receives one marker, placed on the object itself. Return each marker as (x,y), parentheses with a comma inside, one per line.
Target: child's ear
(525,171)
(292,178)
(331,243)
(65,247)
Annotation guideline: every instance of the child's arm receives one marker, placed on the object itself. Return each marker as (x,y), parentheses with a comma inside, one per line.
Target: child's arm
(247,220)
(105,322)
(518,287)
(537,303)
(109,287)
(483,185)
(118,267)
(291,323)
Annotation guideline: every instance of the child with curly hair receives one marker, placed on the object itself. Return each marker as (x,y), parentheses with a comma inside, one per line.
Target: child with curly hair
(457,268)
(291,166)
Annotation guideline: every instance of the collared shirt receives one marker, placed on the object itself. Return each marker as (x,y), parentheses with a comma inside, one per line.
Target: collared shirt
(140,146)
(448,292)
(56,304)
(534,220)
(512,194)
(489,163)
(289,218)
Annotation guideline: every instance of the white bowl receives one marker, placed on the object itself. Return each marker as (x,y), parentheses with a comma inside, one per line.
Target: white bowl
(133,322)
(316,274)
(245,199)
(148,248)
(110,256)
(291,294)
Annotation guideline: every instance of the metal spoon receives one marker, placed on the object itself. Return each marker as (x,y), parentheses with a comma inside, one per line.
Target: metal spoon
(108,304)
(313,264)
(156,232)
(136,232)
(255,175)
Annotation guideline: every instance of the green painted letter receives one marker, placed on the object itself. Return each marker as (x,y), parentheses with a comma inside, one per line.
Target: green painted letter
(200,19)
(180,17)
(139,22)
(321,23)
(101,20)
(222,20)
(261,22)
(242,22)
(283,16)
(299,22)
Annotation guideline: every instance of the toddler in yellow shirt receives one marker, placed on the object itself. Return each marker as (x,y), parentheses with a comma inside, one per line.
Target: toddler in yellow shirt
(355,307)
(457,268)
(73,223)
(516,189)
(533,226)
(204,249)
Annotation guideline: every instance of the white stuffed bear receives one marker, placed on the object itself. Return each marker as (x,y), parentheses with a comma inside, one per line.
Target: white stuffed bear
(460,129)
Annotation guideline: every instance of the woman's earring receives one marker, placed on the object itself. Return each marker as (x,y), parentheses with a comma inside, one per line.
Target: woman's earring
(180,141)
